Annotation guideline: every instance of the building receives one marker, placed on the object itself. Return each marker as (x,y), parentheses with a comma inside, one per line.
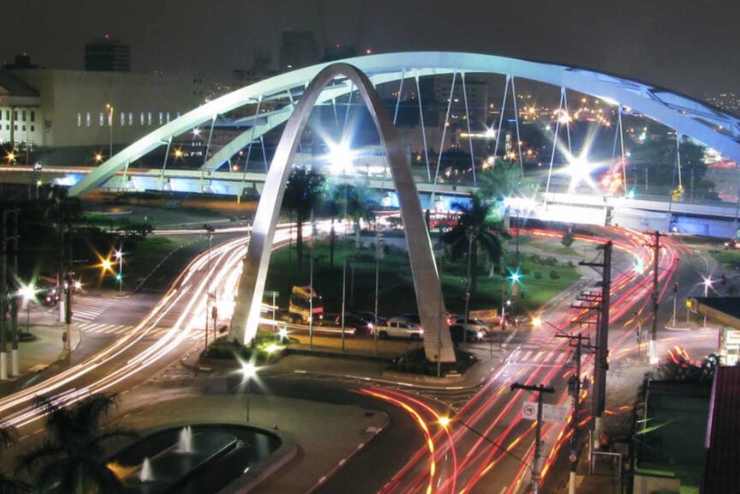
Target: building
(723,429)
(89,111)
(298,49)
(107,55)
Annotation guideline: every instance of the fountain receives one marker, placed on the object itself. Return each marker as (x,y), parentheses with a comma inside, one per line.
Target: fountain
(185,441)
(146,474)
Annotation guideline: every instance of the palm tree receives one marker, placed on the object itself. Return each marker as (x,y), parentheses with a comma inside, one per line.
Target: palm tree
(9,485)
(71,460)
(352,201)
(476,229)
(302,195)
(500,181)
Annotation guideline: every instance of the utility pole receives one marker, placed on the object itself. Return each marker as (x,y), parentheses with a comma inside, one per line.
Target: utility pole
(652,350)
(574,385)
(379,253)
(344,296)
(675,302)
(470,233)
(539,389)
(601,364)
(14,238)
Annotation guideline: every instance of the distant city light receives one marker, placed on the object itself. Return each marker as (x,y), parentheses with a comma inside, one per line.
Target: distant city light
(98,157)
(196,132)
(444,421)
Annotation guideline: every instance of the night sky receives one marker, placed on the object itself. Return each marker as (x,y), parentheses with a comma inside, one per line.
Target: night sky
(690,46)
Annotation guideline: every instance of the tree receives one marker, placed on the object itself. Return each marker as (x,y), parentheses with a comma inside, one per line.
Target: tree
(353,201)
(476,228)
(500,181)
(302,195)
(71,459)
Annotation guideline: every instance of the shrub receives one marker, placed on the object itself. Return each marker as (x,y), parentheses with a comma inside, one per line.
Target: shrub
(537,275)
(554,275)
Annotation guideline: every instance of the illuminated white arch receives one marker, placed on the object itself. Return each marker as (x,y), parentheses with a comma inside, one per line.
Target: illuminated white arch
(687,116)
(437,342)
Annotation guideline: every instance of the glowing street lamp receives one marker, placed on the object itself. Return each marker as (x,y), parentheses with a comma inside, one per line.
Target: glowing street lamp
(248,371)
(536,322)
(28,294)
(283,334)
(178,153)
(10,156)
(340,157)
(515,277)
(98,157)
(196,132)
(444,421)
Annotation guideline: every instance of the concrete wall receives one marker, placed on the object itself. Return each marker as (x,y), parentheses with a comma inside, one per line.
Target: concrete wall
(73,104)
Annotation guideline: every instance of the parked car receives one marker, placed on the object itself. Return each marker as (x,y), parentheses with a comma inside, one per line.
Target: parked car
(472,324)
(353,320)
(400,327)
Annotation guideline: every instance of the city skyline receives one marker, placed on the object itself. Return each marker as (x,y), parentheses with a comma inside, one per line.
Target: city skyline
(684,48)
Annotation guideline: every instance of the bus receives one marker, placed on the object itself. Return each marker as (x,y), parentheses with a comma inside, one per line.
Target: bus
(302,300)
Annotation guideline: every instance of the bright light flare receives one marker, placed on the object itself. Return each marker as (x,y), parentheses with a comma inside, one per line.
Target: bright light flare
(28,292)
(536,322)
(444,421)
(340,157)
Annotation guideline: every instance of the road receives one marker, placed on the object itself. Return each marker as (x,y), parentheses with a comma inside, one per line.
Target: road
(487,446)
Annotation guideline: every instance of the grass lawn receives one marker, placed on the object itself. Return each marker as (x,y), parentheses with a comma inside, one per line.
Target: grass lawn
(159,260)
(727,257)
(540,281)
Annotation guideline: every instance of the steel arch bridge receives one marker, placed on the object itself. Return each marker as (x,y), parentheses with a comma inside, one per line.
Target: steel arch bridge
(688,117)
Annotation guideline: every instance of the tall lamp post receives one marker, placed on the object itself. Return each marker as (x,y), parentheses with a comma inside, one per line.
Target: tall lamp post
(707,282)
(110,110)
(248,372)
(28,295)
(118,255)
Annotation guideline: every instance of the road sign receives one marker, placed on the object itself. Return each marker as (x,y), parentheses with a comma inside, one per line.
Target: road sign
(550,413)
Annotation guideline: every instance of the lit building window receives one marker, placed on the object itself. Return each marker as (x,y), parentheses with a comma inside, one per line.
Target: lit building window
(149,118)
(141,119)
(79,119)
(130,119)
(101,119)
(161,118)
(123,119)
(168,117)
(87,119)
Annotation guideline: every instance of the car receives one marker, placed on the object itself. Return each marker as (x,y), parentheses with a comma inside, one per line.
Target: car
(370,316)
(400,327)
(361,324)
(472,325)
(471,336)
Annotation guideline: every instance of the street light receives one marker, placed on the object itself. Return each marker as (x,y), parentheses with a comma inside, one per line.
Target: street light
(248,371)
(28,294)
(10,156)
(110,109)
(98,157)
(118,254)
(707,281)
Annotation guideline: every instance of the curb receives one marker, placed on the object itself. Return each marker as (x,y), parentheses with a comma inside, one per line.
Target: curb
(325,353)
(287,452)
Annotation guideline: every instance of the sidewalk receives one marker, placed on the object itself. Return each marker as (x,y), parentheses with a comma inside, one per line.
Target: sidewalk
(37,355)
